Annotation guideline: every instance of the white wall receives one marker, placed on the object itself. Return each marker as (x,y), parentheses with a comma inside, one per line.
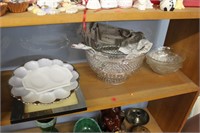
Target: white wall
(21,44)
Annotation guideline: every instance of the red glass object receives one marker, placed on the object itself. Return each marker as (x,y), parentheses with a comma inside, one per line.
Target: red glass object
(191,3)
(111,119)
(155,2)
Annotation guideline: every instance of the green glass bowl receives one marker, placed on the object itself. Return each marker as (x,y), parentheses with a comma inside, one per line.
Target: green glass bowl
(86,125)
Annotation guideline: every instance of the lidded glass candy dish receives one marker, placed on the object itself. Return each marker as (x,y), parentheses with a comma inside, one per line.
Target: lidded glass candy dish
(163,60)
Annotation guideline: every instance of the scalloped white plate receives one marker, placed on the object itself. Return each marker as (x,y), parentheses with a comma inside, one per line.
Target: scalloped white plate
(43,81)
(47,78)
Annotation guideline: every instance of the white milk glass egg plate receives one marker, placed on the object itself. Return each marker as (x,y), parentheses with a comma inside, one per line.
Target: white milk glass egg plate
(43,81)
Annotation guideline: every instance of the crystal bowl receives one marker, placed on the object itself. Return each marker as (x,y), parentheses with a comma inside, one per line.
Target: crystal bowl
(164,61)
(113,68)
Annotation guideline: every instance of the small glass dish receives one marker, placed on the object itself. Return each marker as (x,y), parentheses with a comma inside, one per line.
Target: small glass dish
(163,60)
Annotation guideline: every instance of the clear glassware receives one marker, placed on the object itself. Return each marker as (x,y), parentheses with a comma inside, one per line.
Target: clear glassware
(163,60)
(113,69)
(106,60)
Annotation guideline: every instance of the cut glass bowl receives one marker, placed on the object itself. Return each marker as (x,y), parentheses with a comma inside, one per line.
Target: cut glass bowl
(164,61)
(113,68)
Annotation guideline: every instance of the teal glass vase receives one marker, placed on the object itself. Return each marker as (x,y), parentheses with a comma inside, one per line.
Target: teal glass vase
(47,125)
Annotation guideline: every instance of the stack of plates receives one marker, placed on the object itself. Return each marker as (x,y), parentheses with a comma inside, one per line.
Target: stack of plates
(43,81)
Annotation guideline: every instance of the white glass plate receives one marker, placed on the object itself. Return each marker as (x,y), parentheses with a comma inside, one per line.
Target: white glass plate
(43,81)
(47,78)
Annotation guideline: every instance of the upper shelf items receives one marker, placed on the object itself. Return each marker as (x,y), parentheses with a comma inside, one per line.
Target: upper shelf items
(117,14)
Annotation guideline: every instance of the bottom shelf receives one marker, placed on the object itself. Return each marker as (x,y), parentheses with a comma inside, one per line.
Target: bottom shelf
(152,125)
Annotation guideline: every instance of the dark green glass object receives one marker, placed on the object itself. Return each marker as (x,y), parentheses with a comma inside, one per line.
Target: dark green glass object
(47,125)
(86,125)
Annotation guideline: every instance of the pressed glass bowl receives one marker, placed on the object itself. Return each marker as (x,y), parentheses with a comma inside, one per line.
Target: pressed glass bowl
(86,125)
(113,69)
(164,61)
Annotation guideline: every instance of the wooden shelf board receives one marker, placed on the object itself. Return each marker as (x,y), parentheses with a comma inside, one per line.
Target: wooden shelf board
(62,127)
(117,14)
(143,85)
(152,125)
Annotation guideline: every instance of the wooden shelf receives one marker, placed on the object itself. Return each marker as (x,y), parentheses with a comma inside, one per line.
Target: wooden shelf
(68,127)
(30,19)
(171,97)
(143,85)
